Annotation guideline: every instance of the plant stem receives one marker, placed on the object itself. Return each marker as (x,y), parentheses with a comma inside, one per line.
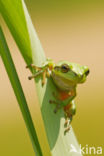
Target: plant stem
(12,74)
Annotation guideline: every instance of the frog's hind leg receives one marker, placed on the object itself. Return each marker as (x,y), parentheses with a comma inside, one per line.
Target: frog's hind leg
(67,124)
(70,111)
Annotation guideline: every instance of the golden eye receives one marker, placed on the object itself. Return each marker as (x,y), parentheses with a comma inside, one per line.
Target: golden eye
(65,68)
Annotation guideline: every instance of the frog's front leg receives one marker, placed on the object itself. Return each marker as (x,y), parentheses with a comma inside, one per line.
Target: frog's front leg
(39,71)
(57,103)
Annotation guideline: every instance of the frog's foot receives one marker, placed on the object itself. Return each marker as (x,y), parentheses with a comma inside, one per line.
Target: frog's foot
(33,66)
(39,71)
(37,74)
(67,121)
(58,105)
(43,78)
(67,124)
(67,130)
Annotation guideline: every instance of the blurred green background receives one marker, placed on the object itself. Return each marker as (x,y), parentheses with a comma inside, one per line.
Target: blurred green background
(68,30)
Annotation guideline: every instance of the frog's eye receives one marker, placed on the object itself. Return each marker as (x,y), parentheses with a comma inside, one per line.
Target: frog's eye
(65,68)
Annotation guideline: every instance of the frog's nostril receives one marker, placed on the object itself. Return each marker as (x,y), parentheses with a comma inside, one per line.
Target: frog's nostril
(87,72)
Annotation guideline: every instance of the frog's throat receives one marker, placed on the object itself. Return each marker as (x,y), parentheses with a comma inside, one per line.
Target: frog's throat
(63,84)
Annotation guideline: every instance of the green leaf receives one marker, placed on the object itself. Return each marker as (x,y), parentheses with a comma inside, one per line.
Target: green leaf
(60,144)
(12,12)
(12,74)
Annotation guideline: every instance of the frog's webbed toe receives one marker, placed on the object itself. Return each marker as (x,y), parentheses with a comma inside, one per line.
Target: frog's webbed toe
(67,124)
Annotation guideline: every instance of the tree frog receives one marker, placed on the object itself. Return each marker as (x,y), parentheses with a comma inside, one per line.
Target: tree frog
(65,76)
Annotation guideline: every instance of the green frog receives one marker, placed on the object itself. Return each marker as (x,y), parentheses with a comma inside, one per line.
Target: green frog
(66,76)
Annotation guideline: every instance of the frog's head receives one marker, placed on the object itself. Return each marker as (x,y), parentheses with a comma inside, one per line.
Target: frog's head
(72,73)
